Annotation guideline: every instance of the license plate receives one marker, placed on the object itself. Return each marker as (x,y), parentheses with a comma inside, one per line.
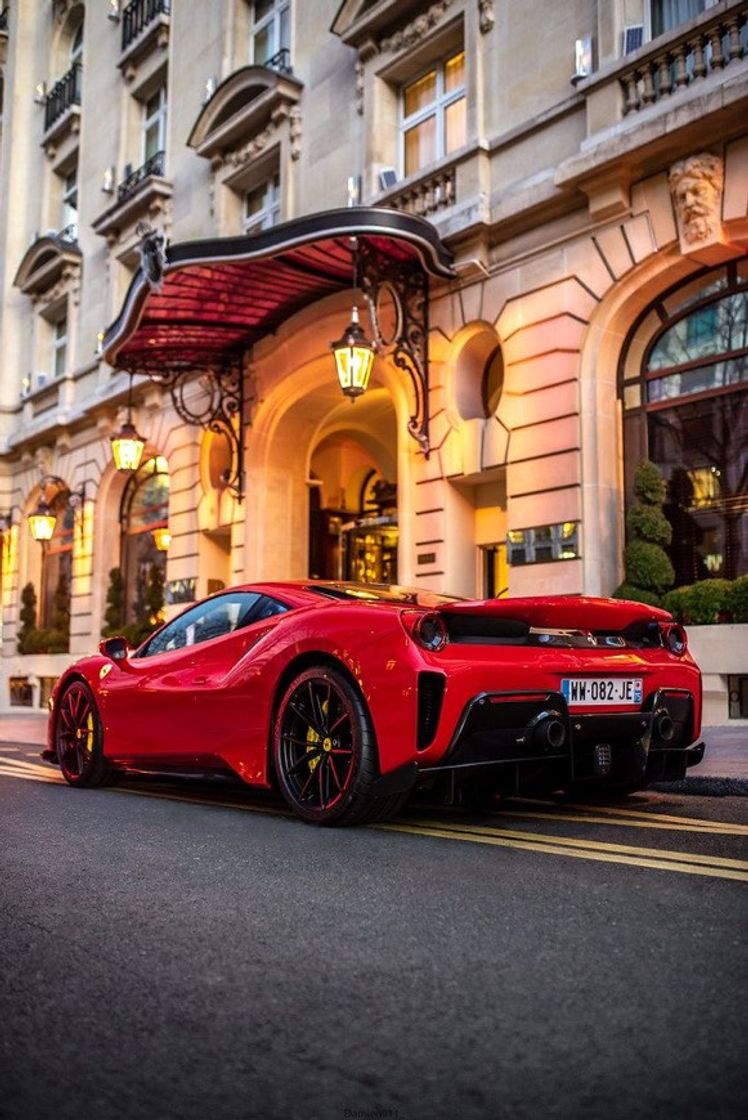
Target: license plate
(602,691)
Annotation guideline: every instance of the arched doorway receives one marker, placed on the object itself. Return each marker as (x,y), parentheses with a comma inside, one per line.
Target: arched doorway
(353,519)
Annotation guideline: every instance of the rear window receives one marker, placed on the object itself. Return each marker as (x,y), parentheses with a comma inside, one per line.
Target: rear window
(383,593)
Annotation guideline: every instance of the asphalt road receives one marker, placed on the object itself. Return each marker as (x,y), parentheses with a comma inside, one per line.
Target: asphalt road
(174,951)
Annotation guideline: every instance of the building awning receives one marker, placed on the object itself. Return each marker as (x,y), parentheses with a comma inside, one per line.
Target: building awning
(201,304)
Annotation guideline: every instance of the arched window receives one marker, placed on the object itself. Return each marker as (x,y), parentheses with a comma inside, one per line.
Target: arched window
(684,383)
(144,511)
(57,565)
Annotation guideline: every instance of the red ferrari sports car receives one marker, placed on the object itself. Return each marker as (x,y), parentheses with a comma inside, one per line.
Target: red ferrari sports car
(348,696)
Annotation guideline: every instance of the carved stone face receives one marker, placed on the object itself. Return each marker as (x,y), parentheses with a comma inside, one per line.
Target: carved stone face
(696,185)
(697,200)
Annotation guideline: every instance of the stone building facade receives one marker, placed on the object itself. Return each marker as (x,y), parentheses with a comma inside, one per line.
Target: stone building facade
(586,165)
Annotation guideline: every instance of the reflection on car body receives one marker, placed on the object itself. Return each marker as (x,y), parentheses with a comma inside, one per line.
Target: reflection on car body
(350,696)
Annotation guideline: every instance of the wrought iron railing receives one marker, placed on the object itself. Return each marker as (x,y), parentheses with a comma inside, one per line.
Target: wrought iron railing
(138,14)
(281,61)
(684,58)
(63,94)
(131,182)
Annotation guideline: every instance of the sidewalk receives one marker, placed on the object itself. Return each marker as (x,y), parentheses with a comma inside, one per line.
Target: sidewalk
(724,768)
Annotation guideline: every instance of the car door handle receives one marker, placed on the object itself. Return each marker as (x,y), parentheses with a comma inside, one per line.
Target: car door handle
(199,680)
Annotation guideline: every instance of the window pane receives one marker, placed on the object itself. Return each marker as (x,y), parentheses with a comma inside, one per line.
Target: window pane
(263,49)
(454,72)
(454,125)
(716,329)
(715,376)
(263,8)
(420,94)
(285,35)
(420,145)
(667,14)
(702,450)
(152,141)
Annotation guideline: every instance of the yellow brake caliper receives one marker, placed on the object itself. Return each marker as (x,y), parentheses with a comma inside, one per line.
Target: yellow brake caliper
(312,739)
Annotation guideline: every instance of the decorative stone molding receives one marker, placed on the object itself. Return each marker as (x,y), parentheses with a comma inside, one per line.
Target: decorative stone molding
(241,156)
(360,70)
(61,9)
(295,132)
(486,16)
(417,29)
(696,186)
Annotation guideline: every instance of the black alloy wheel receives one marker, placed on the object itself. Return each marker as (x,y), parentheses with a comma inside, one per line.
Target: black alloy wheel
(324,750)
(78,737)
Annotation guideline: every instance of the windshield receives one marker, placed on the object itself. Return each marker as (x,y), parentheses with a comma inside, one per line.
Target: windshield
(383,593)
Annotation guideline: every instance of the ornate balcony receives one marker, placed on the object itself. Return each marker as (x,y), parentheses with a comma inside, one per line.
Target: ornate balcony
(63,96)
(661,68)
(140,14)
(681,91)
(142,195)
(131,182)
(145,32)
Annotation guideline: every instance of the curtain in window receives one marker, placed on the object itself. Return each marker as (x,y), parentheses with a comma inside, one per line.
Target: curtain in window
(667,14)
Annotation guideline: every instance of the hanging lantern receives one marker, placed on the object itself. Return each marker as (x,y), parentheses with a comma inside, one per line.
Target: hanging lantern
(42,521)
(354,358)
(127,446)
(161,539)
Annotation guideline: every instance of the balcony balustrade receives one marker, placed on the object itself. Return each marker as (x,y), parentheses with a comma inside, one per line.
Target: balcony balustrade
(662,69)
(153,166)
(427,195)
(64,93)
(138,15)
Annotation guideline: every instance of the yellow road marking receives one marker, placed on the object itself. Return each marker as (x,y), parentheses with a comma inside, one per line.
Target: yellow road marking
(574,842)
(655,821)
(613,812)
(551,846)
(660,859)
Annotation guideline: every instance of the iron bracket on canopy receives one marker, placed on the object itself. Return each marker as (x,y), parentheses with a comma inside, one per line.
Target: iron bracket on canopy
(407,286)
(214,401)
(219,405)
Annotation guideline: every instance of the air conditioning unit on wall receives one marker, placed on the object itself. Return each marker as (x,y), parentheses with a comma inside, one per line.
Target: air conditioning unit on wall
(633,37)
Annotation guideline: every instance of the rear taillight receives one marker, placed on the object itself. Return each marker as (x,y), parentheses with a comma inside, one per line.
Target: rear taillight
(428,629)
(674,638)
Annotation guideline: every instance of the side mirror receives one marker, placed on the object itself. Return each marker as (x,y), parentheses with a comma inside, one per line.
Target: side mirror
(115,648)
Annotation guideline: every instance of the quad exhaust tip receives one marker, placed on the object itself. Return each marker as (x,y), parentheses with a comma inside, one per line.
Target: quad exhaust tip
(549,732)
(664,727)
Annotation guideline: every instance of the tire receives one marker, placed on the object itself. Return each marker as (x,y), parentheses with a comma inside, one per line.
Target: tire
(324,749)
(78,737)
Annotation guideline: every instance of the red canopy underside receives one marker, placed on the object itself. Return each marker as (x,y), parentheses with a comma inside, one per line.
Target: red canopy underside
(208,314)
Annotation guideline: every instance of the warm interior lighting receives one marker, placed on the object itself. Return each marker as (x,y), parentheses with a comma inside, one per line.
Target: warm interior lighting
(161,539)
(42,521)
(354,358)
(127,445)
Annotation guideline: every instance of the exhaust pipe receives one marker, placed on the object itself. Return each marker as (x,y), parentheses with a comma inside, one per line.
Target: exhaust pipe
(664,726)
(548,732)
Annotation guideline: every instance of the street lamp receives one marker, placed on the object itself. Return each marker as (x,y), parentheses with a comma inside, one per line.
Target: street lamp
(43,520)
(127,445)
(353,353)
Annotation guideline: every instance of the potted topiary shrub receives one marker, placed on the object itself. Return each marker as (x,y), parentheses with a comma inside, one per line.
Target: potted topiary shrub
(648,571)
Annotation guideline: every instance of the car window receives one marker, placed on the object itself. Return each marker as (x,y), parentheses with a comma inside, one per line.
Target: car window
(213,618)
